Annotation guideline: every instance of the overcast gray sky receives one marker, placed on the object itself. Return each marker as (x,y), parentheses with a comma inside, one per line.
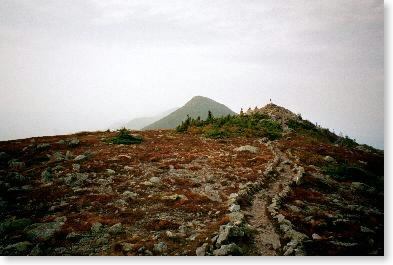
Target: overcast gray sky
(80,65)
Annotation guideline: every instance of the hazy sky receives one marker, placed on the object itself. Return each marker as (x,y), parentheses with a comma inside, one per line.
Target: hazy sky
(76,65)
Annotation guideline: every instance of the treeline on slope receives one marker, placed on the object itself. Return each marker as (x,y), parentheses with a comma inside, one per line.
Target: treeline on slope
(258,125)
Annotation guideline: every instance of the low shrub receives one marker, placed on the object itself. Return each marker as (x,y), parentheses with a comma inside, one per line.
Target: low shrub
(124,137)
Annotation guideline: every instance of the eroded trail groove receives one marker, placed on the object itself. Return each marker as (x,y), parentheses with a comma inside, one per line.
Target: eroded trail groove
(267,240)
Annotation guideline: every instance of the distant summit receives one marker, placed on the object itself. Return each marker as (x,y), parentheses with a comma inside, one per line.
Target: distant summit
(198,106)
(275,112)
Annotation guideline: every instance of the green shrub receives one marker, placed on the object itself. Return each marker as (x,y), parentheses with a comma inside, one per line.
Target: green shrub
(124,137)
(216,133)
(347,142)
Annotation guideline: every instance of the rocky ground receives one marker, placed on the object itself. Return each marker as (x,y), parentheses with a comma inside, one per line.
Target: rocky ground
(183,194)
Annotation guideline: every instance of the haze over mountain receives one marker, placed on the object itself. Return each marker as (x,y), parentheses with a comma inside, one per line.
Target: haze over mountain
(197,106)
(140,122)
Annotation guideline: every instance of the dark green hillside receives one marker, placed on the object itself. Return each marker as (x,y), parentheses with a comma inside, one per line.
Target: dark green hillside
(197,107)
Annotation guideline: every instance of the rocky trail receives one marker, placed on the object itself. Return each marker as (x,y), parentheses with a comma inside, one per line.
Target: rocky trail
(266,239)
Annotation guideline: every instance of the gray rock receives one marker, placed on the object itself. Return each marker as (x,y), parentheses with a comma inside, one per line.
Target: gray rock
(80,158)
(234,208)
(329,159)
(130,195)
(76,167)
(73,236)
(16,165)
(294,208)
(175,197)
(212,194)
(14,224)
(19,248)
(110,171)
(359,186)
(73,142)
(289,251)
(155,180)
(103,240)
(16,178)
(280,218)
(316,236)
(127,247)
(201,251)
(43,231)
(236,218)
(247,148)
(227,232)
(148,253)
(75,179)
(344,244)
(57,156)
(226,250)
(36,251)
(116,229)
(96,228)
(121,203)
(366,230)
(68,156)
(47,174)
(4,156)
(160,248)
(43,146)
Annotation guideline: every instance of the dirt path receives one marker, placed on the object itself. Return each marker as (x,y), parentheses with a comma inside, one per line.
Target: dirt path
(267,241)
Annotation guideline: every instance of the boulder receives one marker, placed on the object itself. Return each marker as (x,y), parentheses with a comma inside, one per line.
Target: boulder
(43,146)
(110,171)
(175,197)
(76,167)
(155,180)
(247,148)
(16,178)
(316,237)
(226,250)
(4,156)
(329,159)
(68,156)
(227,232)
(201,251)
(116,229)
(96,228)
(130,195)
(43,231)
(14,225)
(47,174)
(57,156)
(73,142)
(127,247)
(16,165)
(80,158)
(75,179)
(236,218)
(160,248)
(234,208)
(20,248)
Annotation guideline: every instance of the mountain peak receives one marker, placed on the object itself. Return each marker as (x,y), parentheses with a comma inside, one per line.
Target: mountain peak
(197,106)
